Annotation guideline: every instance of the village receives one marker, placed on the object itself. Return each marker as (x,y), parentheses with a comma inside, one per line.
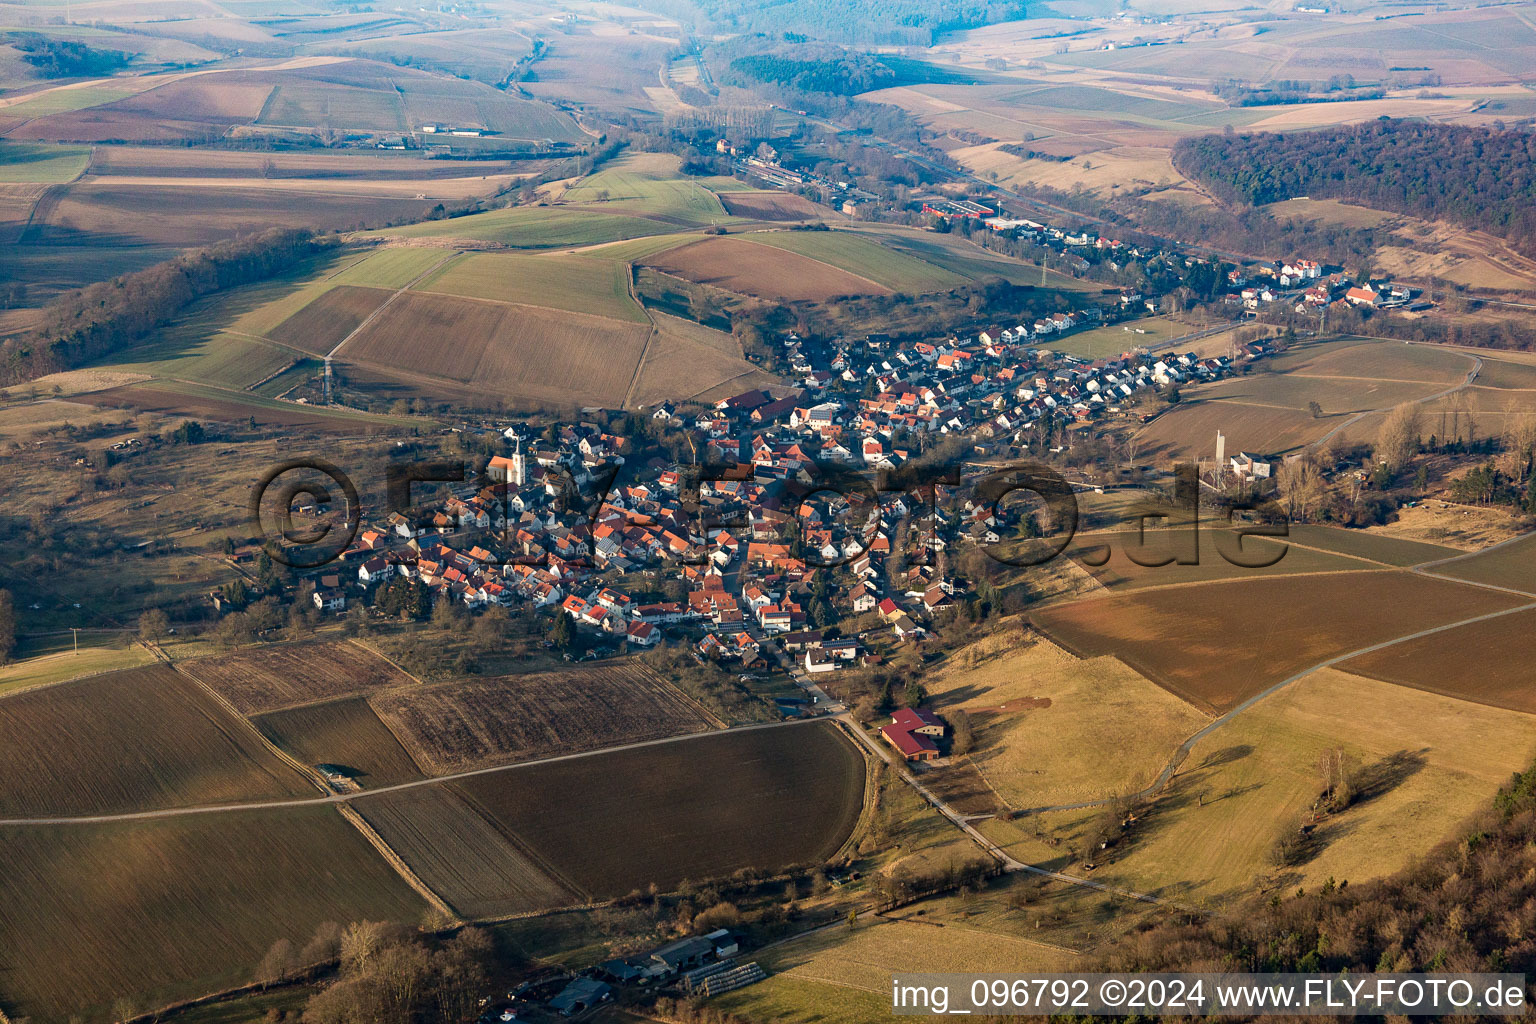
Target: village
(751,555)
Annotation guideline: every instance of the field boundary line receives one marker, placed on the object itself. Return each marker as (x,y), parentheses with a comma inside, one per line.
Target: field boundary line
(746,236)
(394,860)
(1170,770)
(871,801)
(224,702)
(342,798)
(516,842)
(453,254)
(645,351)
(708,715)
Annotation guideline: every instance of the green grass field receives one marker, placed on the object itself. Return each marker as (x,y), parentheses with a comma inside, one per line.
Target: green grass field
(60,101)
(554,280)
(859,255)
(391,268)
(23,162)
(650,184)
(1104,342)
(961,257)
(63,665)
(639,248)
(223,360)
(534,227)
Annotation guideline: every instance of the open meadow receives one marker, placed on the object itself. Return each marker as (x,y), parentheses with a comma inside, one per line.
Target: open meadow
(537,227)
(1510,565)
(834,977)
(1420,764)
(552,281)
(1053,729)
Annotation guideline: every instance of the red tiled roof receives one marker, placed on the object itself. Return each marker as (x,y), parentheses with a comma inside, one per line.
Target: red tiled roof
(908,743)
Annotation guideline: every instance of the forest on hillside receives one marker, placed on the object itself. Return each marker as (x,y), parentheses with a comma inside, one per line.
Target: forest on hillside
(1480,178)
(102,318)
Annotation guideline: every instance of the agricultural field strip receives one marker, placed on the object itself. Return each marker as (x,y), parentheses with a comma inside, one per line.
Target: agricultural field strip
(813,259)
(1423,568)
(371,317)
(343,798)
(1477,367)
(1184,748)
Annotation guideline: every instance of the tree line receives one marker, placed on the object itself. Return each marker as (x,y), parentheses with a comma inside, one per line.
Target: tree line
(65,58)
(101,318)
(863,22)
(1480,178)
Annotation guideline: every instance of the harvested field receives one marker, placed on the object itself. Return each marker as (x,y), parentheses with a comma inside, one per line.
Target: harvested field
(1422,765)
(323,165)
(345,733)
(172,215)
(861,255)
(554,281)
(688,360)
(520,352)
(1513,566)
(178,907)
(1053,729)
(474,866)
(1486,662)
(477,722)
(1188,430)
(772,206)
(1182,637)
(320,326)
(284,675)
(214,99)
(762,271)
(696,808)
(1215,546)
(130,741)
